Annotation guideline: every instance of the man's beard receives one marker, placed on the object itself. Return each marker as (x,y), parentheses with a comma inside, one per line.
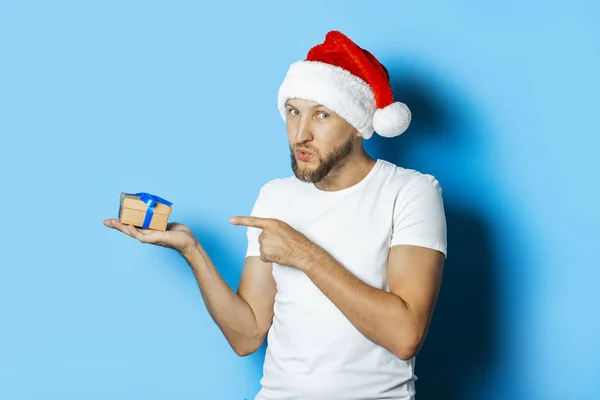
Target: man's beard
(325,167)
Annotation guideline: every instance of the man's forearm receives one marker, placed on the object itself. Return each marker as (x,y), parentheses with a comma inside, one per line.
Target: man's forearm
(381,316)
(232,314)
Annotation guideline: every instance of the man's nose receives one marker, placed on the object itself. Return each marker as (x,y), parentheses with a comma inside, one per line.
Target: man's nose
(305,131)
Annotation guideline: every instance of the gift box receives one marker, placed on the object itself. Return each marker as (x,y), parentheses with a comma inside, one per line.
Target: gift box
(144,210)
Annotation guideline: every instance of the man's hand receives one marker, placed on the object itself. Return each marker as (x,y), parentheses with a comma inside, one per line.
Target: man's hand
(177,236)
(279,242)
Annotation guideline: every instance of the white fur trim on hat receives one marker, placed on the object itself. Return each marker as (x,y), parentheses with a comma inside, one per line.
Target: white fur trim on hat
(333,87)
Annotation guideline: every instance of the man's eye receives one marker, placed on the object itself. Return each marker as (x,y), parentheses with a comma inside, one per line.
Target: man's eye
(323,115)
(293,111)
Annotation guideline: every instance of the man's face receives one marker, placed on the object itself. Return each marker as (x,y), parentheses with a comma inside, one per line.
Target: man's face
(320,140)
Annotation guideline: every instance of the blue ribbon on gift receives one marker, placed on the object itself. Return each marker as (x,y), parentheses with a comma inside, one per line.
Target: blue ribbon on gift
(151,200)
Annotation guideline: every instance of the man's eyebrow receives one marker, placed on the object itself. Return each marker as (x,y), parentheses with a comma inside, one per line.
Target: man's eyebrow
(287,104)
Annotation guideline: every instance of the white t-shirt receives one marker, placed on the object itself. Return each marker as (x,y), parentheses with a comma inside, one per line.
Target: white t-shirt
(313,351)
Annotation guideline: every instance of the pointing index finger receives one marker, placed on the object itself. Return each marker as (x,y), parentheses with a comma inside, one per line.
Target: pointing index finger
(255,222)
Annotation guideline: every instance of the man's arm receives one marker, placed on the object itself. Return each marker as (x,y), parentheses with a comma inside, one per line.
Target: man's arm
(243,317)
(397,320)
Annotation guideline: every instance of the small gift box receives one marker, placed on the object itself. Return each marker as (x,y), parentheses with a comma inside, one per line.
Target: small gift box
(144,210)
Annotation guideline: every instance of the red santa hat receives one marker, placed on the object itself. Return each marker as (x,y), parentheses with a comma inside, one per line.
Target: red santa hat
(350,81)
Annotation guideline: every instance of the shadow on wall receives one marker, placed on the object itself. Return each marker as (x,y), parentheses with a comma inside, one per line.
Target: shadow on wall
(460,345)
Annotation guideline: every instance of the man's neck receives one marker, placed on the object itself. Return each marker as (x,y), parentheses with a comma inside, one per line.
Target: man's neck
(353,170)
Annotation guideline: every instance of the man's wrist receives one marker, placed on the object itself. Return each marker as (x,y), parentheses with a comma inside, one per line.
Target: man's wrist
(191,251)
(311,259)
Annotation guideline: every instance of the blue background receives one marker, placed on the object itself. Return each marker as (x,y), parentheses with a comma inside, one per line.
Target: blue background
(178,98)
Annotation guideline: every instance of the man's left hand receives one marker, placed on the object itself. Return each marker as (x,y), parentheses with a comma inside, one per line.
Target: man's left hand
(279,242)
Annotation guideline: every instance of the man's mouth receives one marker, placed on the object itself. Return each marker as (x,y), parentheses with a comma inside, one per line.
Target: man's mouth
(303,155)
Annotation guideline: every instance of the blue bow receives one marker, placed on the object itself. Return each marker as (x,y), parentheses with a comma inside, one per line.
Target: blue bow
(151,200)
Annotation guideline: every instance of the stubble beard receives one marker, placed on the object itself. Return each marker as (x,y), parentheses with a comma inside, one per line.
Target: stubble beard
(333,160)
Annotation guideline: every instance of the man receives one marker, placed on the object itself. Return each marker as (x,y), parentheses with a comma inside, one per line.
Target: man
(345,257)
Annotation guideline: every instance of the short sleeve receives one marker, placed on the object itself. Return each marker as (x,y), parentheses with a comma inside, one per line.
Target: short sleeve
(253,233)
(419,216)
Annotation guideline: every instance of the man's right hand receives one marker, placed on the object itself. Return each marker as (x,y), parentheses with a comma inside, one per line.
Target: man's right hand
(177,236)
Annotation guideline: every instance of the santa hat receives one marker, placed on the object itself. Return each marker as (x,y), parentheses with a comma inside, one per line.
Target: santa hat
(350,81)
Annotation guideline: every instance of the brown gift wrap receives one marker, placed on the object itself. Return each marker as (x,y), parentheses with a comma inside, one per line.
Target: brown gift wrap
(133,210)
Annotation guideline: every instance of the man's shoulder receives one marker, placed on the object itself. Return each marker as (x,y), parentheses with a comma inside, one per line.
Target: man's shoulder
(403,179)
(280,185)
(278,191)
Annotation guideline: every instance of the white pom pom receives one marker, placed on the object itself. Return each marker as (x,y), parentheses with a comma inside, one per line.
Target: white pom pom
(392,120)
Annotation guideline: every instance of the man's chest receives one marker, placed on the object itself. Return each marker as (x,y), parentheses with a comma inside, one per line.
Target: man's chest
(355,232)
